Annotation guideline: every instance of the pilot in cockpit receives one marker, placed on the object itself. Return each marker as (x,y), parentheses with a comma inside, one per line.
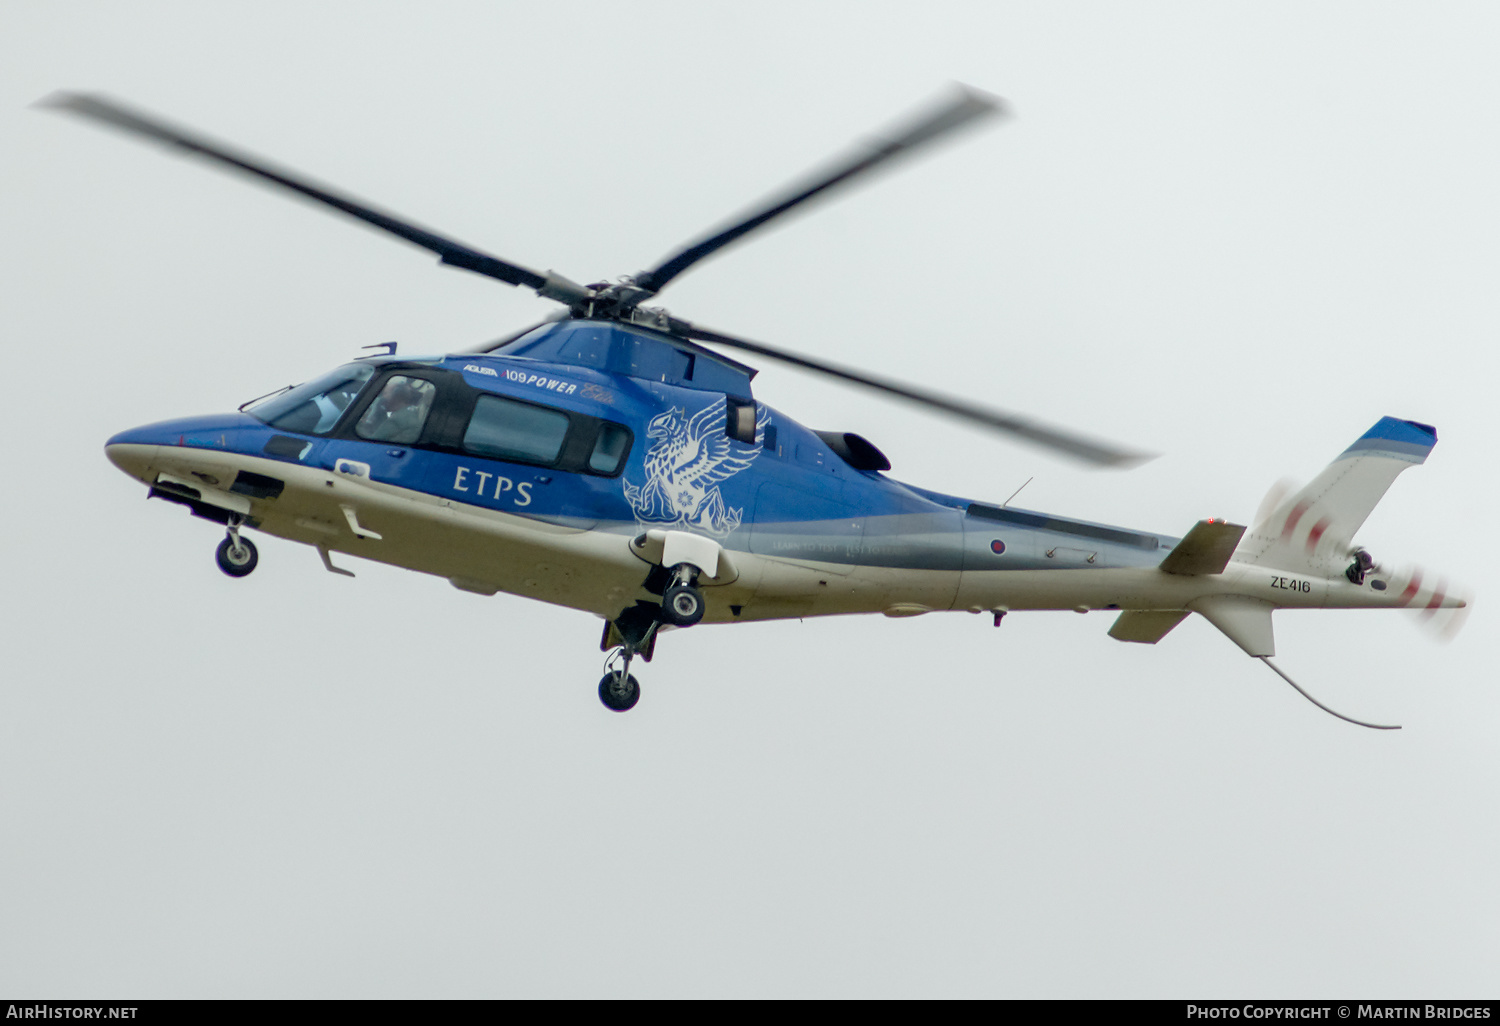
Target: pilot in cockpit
(397,414)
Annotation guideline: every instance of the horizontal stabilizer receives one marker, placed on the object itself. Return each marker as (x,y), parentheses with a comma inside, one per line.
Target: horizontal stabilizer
(1314,528)
(1147,626)
(1245,621)
(1205,550)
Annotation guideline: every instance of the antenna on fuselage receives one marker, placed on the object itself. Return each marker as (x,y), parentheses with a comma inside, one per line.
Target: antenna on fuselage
(1017,491)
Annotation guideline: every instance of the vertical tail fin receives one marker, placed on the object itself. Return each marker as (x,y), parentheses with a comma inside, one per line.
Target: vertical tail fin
(1312,529)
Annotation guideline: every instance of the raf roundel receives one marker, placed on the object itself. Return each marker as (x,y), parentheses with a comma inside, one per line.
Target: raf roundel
(997,547)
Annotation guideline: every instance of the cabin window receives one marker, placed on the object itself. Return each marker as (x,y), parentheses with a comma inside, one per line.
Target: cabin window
(610,449)
(739,419)
(398,412)
(505,429)
(315,407)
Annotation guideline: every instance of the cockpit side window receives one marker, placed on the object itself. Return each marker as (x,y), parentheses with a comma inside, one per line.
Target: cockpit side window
(398,412)
(315,407)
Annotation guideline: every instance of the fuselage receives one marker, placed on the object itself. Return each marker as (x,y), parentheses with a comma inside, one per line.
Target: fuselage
(532,470)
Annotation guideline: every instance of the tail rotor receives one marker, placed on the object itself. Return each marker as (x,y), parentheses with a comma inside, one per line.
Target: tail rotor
(1439,606)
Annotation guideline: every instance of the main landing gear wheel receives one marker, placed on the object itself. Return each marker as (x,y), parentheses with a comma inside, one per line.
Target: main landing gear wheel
(237,556)
(619,691)
(682,602)
(682,605)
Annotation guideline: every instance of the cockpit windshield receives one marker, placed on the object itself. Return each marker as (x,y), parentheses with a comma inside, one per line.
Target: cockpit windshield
(314,408)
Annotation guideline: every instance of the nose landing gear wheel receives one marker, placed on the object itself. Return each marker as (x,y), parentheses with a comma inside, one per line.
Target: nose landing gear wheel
(236,557)
(619,691)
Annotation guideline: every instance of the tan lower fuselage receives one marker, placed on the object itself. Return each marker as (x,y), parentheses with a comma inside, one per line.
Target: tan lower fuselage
(599,570)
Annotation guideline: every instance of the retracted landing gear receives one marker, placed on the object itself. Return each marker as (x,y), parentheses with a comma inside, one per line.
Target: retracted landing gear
(682,601)
(236,556)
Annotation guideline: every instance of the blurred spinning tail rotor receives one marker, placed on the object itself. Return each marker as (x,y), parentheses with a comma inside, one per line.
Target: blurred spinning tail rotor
(1274,496)
(1440,607)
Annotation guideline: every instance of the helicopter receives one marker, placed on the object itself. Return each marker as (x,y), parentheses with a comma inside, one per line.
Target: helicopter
(612,459)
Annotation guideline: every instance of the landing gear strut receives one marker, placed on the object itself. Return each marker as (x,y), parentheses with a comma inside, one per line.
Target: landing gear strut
(631,634)
(236,556)
(618,690)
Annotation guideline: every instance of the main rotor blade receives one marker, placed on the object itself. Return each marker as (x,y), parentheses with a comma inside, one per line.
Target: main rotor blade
(1066,442)
(945,117)
(501,343)
(455,254)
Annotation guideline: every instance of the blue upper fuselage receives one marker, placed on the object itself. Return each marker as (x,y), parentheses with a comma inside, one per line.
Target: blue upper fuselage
(598,425)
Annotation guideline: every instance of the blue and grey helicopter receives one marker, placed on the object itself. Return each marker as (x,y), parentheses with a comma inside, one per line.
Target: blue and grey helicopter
(609,460)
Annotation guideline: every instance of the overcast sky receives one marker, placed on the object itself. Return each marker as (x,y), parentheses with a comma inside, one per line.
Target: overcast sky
(1237,235)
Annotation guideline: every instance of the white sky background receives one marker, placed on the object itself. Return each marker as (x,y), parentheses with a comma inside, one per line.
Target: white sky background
(1236,235)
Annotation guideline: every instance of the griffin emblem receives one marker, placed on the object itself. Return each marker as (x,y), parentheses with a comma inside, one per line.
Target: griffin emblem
(688,458)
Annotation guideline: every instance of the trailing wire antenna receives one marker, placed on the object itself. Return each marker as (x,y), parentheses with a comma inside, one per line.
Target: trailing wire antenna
(1320,705)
